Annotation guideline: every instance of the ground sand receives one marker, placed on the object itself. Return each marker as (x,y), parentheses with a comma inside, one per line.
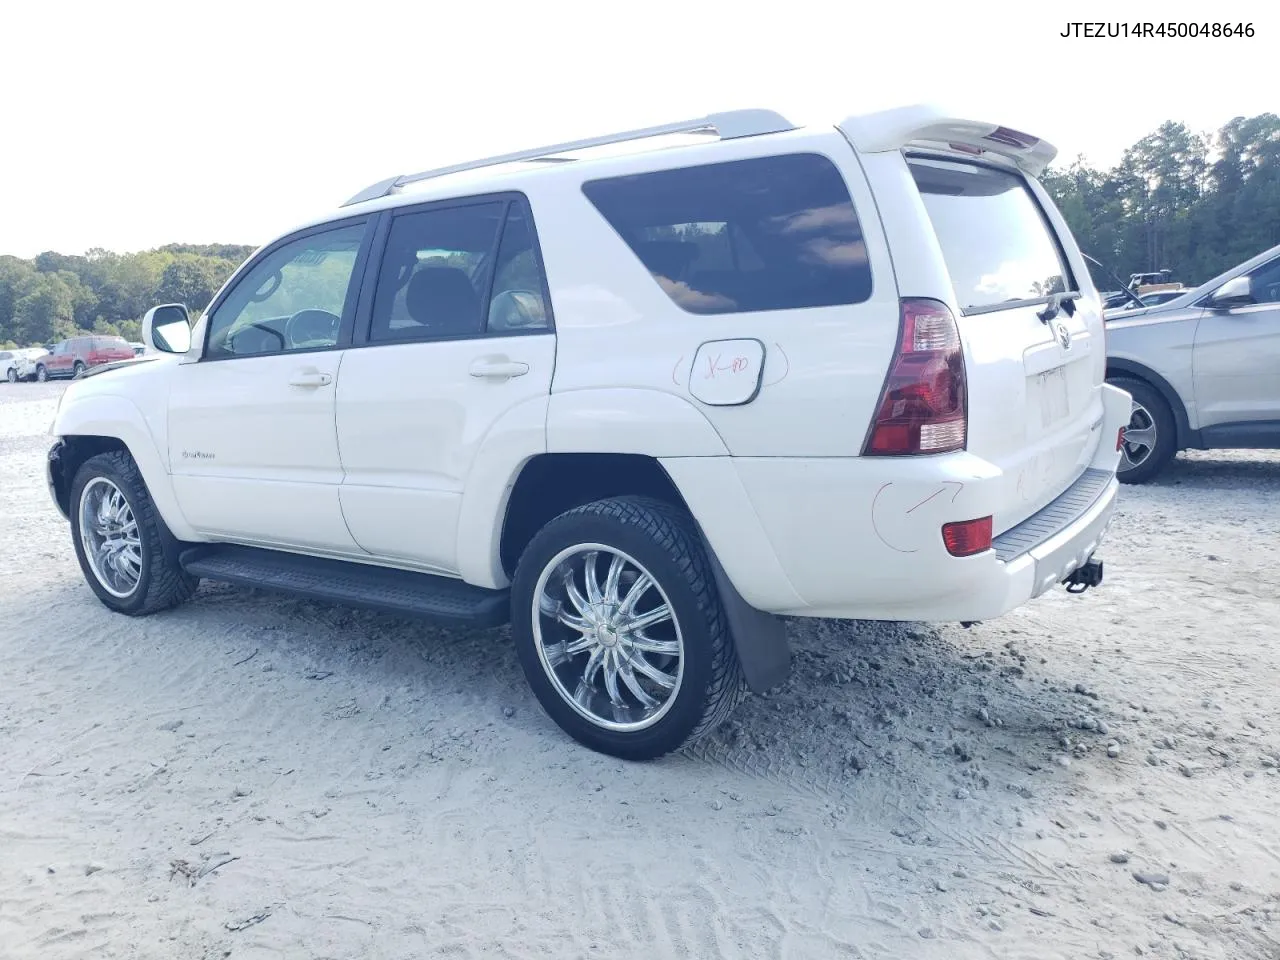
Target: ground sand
(257,777)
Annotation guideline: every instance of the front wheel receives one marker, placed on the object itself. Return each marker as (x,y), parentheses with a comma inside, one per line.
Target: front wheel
(119,538)
(77,369)
(620,629)
(41,373)
(12,375)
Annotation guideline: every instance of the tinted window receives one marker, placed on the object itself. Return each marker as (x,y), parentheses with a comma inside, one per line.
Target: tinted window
(1264,282)
(995,240)
(772,233)
(518,301)
(293,298)
(435,277)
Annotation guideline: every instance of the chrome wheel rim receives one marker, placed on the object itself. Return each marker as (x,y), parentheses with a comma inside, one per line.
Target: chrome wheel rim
(1139,438)
(607,637)
(12,375)
(42,374)
(109,535)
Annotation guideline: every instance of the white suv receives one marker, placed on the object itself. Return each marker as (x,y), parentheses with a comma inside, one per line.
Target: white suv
(639,405)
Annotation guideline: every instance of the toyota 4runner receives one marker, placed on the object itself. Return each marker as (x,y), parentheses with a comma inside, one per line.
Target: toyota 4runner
(639,405)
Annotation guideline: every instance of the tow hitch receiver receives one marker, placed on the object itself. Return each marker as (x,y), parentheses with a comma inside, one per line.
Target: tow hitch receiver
(1084,577)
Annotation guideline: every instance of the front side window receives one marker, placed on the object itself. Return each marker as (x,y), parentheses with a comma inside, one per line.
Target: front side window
(293,298)
(770,233)
(996,242)
(1264,283)
(459,271)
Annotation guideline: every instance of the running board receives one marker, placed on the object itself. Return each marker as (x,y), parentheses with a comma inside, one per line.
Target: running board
(441,600)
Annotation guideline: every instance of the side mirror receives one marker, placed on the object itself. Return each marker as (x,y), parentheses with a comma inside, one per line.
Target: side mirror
(167,328)
(1234,293)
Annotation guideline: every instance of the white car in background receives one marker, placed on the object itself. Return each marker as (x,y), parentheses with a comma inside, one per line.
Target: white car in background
(9,365)
(20,364)
(639,406)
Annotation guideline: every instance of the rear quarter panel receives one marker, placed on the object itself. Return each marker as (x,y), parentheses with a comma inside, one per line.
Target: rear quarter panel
(618,332)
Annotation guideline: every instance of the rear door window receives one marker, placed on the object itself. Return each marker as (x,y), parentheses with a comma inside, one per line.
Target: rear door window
(460,270)
(769,233)
(996,242)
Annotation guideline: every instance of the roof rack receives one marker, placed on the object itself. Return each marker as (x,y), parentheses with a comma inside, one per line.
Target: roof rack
(728,126)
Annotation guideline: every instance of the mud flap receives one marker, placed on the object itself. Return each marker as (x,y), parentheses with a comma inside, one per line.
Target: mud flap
(760,638)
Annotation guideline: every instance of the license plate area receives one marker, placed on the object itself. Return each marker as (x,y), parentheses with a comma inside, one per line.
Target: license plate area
(1055,398)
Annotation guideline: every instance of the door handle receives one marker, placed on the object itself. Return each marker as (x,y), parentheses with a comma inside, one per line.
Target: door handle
(310,378)
(498,368)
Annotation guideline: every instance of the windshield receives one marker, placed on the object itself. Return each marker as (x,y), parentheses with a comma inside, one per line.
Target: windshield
(995,240)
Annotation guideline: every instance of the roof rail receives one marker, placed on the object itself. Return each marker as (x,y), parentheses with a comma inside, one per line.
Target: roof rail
(729,126)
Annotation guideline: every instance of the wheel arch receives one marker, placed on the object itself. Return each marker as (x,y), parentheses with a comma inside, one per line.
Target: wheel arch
(102,423)
(552,483)
(1118,367)
(549,484)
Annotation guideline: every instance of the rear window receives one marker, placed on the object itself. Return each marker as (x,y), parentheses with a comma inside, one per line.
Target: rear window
(995,240)
(771,233)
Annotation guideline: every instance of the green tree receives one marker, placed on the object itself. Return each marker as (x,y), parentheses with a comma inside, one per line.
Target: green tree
(193,280)
(1193,204)
(16,277)
(46,312)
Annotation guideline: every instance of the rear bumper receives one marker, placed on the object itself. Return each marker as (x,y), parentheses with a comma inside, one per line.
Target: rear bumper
(855,539)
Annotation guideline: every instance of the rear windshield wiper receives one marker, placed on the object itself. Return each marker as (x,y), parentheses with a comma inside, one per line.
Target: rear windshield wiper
(1064,302)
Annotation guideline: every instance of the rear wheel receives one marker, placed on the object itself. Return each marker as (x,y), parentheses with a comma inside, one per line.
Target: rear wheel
(620,630)
(12,375)
(1150,438)
(119,539)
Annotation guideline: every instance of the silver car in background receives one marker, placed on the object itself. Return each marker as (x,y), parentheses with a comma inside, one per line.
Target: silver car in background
(1203,368)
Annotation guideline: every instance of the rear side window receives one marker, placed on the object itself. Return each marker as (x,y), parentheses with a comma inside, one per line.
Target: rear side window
(770,233)
(997,244)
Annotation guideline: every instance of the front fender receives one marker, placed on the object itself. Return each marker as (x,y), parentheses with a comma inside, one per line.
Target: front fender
(98,415)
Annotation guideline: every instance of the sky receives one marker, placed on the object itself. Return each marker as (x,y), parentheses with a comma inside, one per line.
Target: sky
(131,124)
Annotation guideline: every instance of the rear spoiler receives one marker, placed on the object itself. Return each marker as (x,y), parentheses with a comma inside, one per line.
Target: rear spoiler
(930,126)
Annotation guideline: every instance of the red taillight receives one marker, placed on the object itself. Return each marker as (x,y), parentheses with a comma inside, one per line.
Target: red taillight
(968,537)
(923,407)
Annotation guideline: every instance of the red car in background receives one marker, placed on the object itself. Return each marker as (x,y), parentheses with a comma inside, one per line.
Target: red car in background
(70,357)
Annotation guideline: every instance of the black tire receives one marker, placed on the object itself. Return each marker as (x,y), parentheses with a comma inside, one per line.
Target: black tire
(41,373)
(162,583)
(12,375)
(665,542)
(77,369)
(1149,405)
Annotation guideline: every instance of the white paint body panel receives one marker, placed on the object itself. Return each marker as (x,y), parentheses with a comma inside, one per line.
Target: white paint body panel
(411,423)
(406,459)
(254,458)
